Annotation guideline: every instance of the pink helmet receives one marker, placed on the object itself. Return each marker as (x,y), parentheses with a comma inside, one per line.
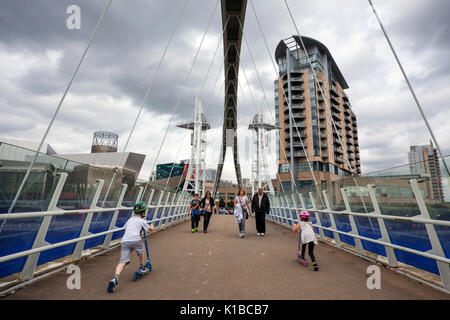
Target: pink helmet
(304,215)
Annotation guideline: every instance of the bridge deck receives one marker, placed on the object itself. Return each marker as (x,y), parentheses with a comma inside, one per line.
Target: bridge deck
(219,265)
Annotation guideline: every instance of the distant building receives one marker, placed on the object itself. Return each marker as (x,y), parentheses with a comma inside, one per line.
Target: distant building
(210,174)
(425,160)
(172,169)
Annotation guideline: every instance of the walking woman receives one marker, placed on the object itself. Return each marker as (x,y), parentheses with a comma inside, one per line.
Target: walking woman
(241,208)
(208,207)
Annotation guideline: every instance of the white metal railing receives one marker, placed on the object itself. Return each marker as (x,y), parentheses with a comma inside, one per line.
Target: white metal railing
(281,213)
(173,209)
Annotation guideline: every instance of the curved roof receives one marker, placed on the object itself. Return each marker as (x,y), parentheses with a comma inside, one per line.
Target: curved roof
(280,51)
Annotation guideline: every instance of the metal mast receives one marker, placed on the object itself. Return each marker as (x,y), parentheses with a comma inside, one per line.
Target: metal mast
(260,176)
(195,177)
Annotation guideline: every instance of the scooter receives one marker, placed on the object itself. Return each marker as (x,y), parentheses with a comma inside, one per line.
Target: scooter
(148,267)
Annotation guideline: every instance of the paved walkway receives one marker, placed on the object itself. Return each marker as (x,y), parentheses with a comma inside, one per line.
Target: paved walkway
(219,265)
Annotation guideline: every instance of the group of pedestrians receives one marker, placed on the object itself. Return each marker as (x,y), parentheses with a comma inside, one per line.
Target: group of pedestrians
(205,208)
(260,206)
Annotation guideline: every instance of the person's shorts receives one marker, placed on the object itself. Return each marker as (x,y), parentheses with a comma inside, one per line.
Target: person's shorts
(128,247)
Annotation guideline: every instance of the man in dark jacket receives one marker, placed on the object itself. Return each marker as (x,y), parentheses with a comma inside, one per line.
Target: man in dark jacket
(260,207)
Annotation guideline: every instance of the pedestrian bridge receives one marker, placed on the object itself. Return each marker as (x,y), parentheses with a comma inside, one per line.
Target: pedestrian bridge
(219,265)
(59,213)
(37,248)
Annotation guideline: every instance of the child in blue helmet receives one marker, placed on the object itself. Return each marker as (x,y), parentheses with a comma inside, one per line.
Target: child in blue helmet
(131,240)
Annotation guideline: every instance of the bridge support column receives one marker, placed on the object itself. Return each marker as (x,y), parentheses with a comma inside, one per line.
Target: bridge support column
(76,255)
(390,253)
(444,268)
(39,241)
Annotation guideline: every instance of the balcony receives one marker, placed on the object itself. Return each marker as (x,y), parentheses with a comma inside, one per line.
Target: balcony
(321,108)
(335,108)
(298,115)
(325,155)
(295,135)
(336,142)
(346,112)
(323,136)
(334,100)
(338,160)
(349,143)
(321,99)
(347,119)
(345,98)
(297,154)
(334,92)
(296,145)
(349,150)
(322,127)
(322,117)
(324,146)
(336,116)
(298,97)
(338,126)
(347,127)
(294,106)
(337,150)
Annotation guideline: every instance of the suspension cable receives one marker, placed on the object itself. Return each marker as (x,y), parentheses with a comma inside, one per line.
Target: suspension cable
(326,102)
(181,93)
(410,87)
(147,93)
(19,191)
(290,113)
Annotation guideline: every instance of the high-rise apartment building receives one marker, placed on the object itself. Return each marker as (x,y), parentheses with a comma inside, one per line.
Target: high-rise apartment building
(425,160)
(302,115)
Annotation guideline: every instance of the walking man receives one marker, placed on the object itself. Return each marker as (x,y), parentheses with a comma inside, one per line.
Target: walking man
(260,207)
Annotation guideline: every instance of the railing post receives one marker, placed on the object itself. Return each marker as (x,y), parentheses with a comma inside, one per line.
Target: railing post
(295,208)
(314,207)
(337,238)
(302,201)
(39,241)
(76,255)
(157,208)
(139,195)
(358,243)
(444,268)
(165,212)
(112,224)
(390,253)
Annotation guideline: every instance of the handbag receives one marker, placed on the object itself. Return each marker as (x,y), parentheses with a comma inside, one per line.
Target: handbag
(244,210)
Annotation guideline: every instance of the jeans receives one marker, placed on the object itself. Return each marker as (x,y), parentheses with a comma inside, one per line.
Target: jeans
(206,219)
(195,218)
(242,226)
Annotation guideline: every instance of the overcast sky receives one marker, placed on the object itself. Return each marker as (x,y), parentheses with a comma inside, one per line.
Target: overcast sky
(38,55)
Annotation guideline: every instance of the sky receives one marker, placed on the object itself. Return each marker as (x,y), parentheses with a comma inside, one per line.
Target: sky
(38,55)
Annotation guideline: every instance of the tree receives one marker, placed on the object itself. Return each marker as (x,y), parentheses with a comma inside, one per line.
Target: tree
(221,203)
(231,204)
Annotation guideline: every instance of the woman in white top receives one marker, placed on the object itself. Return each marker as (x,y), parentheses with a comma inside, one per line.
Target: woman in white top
(242,205)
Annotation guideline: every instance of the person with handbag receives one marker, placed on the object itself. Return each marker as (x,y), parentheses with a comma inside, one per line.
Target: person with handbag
(260,207)
(208,207)
(242,206)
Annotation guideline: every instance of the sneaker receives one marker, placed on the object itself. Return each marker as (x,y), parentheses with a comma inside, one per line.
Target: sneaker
(262,234)
(142,269)
(196,229)
(112,284)
(258,234)
(315,266)
(193,230)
